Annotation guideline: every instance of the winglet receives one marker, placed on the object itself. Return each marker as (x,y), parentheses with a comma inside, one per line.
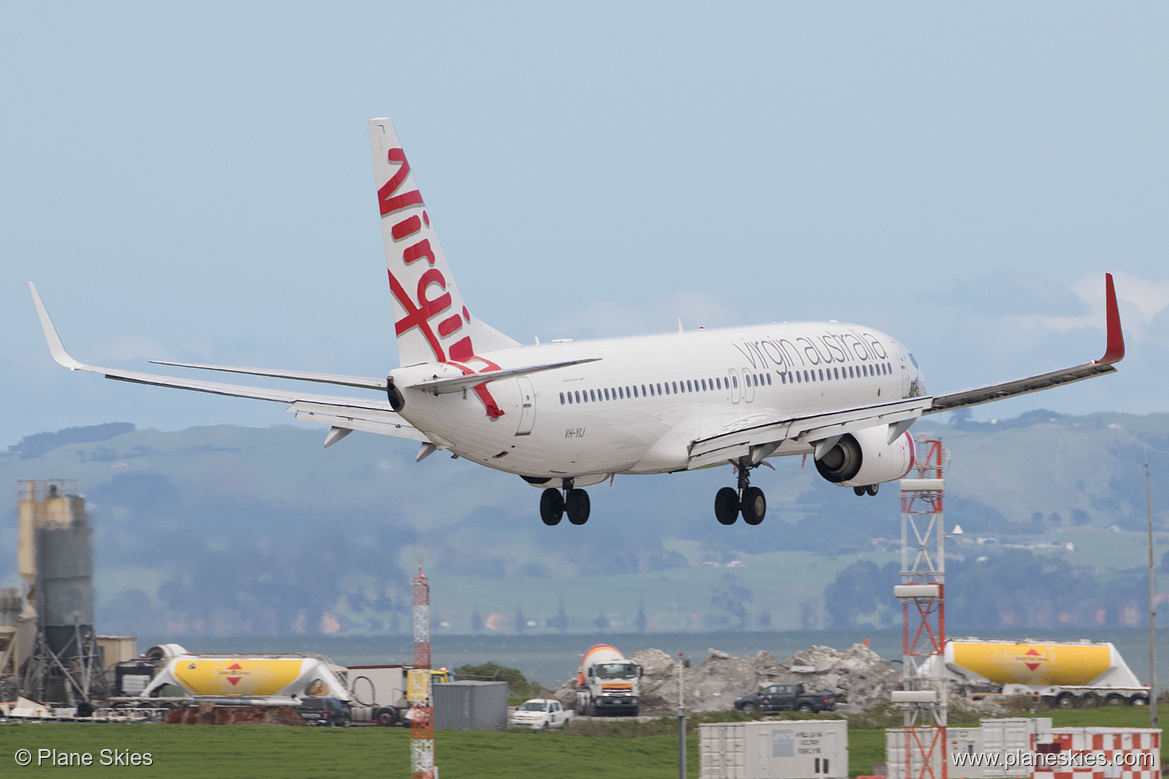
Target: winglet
(56,348)
(1114,352)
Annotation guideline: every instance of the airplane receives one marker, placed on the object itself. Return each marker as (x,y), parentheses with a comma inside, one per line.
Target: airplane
(570,414)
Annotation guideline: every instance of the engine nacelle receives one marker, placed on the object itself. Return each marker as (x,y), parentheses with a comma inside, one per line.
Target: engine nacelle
(863,458)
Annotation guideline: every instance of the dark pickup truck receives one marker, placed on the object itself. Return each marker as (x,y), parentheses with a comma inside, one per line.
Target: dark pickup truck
(785,697)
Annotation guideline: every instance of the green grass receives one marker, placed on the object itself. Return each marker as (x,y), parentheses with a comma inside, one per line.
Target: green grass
(264,751)
(645,750)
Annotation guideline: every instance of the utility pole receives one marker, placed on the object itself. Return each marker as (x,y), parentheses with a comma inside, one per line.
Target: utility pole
(1152,606)
(422,709)
(681,721)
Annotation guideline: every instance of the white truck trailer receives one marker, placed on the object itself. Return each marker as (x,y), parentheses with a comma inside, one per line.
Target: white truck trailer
(381,693)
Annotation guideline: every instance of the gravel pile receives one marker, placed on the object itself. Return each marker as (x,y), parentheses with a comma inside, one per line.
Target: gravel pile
(859,677)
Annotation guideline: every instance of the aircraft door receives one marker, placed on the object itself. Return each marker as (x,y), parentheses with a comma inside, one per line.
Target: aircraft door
(748,379)
(736,388)
(527,406)
(903,372)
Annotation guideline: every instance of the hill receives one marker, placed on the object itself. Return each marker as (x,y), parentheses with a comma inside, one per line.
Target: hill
(220,531)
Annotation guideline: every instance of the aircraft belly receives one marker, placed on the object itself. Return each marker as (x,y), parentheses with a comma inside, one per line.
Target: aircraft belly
(560,442)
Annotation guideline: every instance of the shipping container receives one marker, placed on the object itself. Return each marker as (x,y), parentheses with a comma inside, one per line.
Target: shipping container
(803,749)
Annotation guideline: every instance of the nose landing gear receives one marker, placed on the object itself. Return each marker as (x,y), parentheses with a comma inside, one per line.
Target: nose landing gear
(747,500)
(574,502)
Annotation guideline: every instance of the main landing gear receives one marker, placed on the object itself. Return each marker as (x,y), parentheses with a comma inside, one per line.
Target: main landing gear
(868,489)
(750,501)
(574,502)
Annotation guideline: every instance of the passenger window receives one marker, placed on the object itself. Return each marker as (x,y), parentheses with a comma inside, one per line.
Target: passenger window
(675,388)
(562,398)
(593,396)
(769,380)
(806,379)
(606,391)
(703,383)
(735,381)
(578,396)
(660,387)
(718,383)
(689,386)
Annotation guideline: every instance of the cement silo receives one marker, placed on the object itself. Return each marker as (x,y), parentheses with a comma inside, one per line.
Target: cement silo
(56,561)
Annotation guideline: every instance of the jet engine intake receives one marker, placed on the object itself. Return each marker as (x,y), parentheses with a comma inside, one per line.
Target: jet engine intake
(863,458)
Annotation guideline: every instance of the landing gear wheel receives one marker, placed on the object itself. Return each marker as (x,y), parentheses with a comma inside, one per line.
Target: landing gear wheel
(859,491)
(726,506)
(577,506)
(872,489)
(551,507)
(753,505)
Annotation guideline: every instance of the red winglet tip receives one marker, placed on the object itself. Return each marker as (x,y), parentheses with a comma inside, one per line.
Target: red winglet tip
(1114,352)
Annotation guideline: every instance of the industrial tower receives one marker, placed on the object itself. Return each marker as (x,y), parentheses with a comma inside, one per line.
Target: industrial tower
(923,611)
(56,561)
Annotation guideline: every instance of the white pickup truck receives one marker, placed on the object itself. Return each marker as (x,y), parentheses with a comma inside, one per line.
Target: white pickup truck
(540,714)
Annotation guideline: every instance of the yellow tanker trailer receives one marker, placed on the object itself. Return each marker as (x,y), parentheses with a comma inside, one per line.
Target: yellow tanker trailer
(1060,673)
(240,678)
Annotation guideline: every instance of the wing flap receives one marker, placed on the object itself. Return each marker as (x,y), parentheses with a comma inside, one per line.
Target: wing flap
(783,435)
(367,420)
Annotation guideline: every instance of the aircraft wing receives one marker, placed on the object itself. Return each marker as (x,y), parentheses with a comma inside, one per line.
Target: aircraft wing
(1113,353)
(787,435)
(373,416)
(757,438)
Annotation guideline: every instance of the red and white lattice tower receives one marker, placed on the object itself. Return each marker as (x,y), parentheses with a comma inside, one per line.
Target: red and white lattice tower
(421,707)
(923,611)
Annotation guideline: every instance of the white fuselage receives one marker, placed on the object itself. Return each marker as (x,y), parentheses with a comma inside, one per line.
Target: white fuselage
(637,408)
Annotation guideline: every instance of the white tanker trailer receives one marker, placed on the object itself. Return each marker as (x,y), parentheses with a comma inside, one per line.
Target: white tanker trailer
(1059,673)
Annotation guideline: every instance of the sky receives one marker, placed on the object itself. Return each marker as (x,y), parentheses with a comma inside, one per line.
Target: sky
(193,182)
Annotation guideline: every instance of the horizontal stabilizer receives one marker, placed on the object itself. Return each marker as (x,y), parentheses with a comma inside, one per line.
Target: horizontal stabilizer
(460,383)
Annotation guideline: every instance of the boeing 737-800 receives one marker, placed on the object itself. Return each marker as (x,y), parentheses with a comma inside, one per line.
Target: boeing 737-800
(568,414)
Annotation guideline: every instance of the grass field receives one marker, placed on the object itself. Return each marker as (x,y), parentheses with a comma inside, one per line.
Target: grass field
(264,751)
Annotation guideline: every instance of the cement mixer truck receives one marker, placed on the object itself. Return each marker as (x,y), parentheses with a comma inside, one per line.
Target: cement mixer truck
(607,684)
(1059,673)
